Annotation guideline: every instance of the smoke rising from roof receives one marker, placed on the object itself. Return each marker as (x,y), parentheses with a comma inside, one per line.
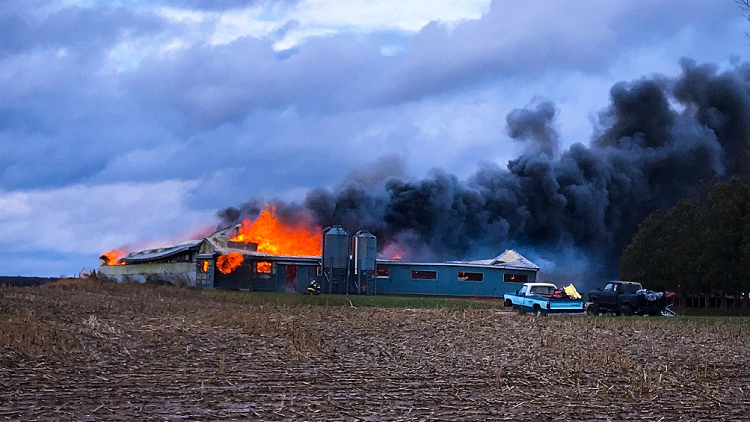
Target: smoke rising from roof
(652,146)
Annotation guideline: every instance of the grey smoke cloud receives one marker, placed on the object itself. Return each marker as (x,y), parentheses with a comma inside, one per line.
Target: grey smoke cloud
(646,155)
(535,126)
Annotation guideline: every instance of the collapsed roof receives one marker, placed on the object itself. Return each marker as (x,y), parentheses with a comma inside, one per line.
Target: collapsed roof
(150,255)
(509,259)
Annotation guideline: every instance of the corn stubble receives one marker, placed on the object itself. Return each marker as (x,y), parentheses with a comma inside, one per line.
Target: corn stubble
(96,350)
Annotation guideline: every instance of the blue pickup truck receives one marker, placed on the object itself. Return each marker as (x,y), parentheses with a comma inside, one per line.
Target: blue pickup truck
(539,299)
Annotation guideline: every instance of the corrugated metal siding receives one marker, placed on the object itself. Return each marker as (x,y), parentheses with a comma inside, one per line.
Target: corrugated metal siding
(238,279)
(246,277)
(305,274)
(169,271)
(399,280)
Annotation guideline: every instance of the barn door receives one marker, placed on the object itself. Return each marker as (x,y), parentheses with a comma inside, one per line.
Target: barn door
(291,278)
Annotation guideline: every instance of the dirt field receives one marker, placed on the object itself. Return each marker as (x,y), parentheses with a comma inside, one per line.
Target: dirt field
(102,351)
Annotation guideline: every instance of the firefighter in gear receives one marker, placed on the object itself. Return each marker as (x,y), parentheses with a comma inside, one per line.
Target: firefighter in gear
(313,288)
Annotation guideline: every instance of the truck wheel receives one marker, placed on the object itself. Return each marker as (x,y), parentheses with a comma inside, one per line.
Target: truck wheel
(626,310)
(508,304)
(537,310)
(592,309)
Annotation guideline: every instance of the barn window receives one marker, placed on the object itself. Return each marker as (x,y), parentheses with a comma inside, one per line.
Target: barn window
(263,267)
(467,276)
(384,272)
(423,275)
(515,278)
(204,266)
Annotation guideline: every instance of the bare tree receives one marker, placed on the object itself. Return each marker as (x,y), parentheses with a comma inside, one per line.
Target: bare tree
(745,6)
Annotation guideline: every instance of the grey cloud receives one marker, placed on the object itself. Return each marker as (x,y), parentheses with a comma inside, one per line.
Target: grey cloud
(82,30)
(60,122)
(216,84)
(222,5)
(211,85)
(510,41)
(179,96)
(61,117)
(285,29)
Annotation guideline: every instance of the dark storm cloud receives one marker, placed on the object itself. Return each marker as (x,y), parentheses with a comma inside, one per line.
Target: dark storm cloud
(61,122)
(61,117)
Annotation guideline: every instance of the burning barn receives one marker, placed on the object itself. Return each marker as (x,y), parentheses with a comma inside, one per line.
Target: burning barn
(226,261)
(174,264)
(269,256)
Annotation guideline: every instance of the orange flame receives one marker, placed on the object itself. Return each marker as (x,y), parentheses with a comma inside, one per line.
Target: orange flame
(272,236)
(227,263)
(263,267)
(393,251)
(111,256)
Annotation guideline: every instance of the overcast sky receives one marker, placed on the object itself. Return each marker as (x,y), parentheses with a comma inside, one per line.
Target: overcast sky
(131,123)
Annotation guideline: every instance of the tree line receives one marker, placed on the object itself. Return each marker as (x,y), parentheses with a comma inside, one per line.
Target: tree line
(700,245)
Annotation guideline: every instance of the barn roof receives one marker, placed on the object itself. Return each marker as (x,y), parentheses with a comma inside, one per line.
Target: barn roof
(160,253)
(218,244)
(509,259)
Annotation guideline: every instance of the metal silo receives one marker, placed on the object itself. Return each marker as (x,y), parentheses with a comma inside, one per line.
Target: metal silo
(335,260)
(365,249)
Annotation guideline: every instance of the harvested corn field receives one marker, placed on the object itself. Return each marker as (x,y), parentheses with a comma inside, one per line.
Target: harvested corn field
(88,350)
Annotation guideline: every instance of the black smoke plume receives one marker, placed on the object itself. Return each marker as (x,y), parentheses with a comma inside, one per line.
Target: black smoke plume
(653,145)
(536,128)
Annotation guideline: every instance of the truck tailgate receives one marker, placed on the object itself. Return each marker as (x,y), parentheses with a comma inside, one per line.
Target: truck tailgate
(565,305)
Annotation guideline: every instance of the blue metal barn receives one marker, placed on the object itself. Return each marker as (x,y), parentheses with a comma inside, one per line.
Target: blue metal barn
(341,269)
(487,278)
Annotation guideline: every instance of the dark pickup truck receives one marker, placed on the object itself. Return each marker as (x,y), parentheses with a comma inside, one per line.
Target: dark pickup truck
(625,298)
